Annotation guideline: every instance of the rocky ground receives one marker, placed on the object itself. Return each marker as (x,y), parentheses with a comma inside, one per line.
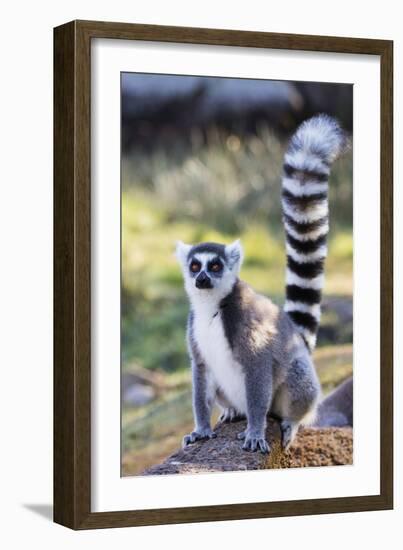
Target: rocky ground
(312,447)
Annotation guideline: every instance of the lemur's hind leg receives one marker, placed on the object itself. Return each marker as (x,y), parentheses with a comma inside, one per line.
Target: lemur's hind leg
(296,399)
(289,429)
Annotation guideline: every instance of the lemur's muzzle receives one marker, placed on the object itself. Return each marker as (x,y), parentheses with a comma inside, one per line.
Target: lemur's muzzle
(203,280)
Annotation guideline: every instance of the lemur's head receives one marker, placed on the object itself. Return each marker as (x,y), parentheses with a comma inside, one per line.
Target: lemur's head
(209,268)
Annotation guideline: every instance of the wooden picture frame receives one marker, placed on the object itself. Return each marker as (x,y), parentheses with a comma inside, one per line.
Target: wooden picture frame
(72,274)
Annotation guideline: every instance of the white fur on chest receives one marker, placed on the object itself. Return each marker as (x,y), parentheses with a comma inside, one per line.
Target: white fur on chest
(226,373)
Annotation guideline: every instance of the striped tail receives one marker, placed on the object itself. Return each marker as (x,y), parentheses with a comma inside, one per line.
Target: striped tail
(313,148)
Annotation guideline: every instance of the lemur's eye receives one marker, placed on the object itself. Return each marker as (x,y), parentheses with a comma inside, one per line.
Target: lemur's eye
(216,267)
(195,267)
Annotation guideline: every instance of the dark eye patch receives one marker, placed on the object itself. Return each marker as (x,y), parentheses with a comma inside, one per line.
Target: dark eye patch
(215,265)
(195,266)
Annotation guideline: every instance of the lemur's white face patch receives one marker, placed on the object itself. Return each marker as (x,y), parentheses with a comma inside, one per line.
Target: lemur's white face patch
(204,258)
(221,283)
(209,275)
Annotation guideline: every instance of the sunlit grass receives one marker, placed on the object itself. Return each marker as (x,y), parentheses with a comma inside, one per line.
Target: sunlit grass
(227,183)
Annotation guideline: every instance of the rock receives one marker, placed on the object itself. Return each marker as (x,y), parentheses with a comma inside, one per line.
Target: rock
(337,408)
(136,395)
(312,447)
(134,374)
(140,386)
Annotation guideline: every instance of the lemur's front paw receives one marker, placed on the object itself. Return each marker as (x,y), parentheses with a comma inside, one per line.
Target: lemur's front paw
(253,442)
(230,415)
(197,435)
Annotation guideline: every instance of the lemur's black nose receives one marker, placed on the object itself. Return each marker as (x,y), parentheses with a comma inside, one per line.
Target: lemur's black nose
(203,280)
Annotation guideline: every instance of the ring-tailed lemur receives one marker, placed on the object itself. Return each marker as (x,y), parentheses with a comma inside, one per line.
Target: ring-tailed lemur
(248,355)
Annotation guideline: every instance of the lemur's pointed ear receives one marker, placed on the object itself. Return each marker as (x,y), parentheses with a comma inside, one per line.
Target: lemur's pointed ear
(182,251)
(234,253)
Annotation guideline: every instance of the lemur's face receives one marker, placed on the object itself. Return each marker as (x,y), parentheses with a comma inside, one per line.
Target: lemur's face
(209,268)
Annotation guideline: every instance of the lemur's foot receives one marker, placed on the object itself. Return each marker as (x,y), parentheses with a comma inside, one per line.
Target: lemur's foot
(288,433)
(253,442)
(230,415)
(197,435)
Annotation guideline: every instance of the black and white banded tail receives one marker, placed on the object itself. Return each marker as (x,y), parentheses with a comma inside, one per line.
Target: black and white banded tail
(313,148)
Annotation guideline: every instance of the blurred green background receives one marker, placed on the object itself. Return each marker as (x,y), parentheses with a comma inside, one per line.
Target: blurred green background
(216,177)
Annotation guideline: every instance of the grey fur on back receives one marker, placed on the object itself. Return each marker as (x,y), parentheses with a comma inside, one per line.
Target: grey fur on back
(257,329)
(262,334)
